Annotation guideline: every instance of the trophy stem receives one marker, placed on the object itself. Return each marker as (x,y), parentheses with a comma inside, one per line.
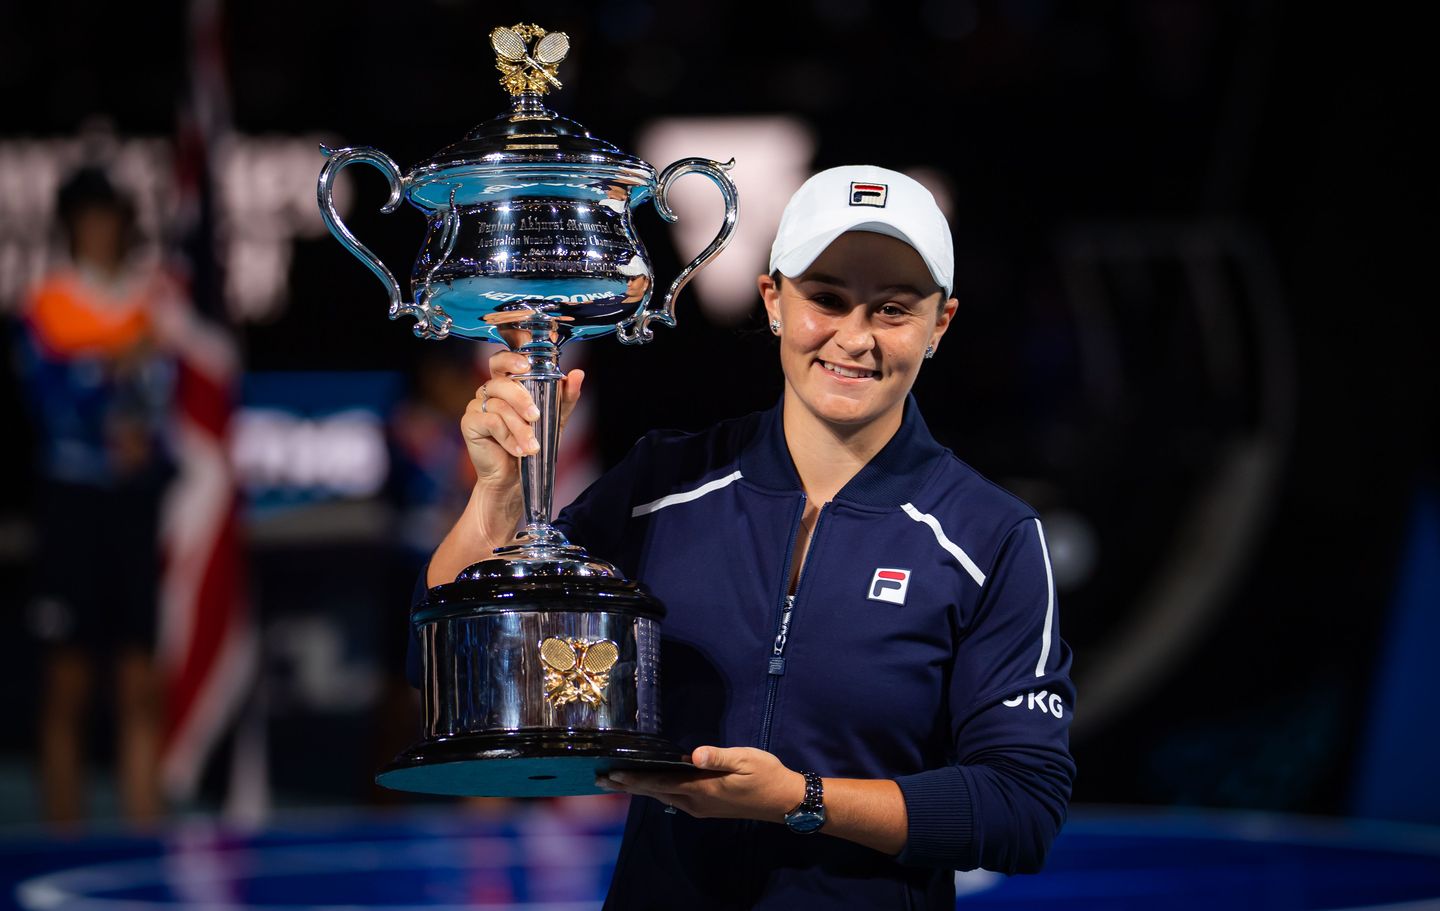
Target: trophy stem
(537,472)
(528,104)
(540,549)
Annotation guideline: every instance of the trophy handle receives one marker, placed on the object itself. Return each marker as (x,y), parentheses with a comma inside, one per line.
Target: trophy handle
(636,330)
(430,322)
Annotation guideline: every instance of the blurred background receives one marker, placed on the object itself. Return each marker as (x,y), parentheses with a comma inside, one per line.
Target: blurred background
(1191,241)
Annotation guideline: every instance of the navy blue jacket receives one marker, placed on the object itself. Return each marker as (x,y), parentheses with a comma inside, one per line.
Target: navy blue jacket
(923,646)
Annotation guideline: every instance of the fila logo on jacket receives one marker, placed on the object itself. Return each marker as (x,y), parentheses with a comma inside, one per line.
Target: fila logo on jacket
(889,585)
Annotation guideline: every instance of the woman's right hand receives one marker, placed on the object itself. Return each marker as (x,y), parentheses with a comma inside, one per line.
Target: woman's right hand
(498,428)
(499,423)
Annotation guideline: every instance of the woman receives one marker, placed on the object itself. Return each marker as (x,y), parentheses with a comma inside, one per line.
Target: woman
(861,637)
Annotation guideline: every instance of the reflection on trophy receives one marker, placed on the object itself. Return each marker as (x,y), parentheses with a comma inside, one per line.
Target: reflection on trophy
(541,663)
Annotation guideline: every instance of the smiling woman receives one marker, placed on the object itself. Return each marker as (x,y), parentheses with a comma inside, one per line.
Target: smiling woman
(867,657)
(854,329)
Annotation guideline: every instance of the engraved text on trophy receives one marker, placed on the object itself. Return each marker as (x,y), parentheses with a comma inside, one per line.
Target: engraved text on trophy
(532,237)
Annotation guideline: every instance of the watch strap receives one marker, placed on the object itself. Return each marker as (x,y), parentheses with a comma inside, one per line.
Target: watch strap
(814,801)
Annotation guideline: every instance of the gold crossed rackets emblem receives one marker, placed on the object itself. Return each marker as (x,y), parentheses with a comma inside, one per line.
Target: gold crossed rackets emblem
(527,69)
(577,669)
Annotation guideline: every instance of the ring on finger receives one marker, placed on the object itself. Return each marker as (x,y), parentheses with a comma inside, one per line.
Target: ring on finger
(484,398)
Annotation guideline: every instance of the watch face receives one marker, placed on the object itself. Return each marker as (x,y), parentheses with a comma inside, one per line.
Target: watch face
(804,821)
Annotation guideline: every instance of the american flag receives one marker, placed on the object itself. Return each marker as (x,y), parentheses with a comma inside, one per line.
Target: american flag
(208,650)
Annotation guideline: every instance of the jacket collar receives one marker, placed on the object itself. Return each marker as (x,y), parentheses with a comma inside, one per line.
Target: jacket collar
(890,478)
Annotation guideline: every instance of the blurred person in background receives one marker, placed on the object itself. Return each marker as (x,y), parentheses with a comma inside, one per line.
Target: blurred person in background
(433,475)
(430,482)
(100,390)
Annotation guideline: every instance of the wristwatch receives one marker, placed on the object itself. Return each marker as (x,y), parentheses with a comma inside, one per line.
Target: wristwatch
(809,816)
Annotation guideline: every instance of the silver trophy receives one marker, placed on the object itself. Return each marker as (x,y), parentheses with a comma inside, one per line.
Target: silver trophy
(540,664)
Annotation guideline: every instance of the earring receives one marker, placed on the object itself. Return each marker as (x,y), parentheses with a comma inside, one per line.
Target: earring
(929,352)
(775,326)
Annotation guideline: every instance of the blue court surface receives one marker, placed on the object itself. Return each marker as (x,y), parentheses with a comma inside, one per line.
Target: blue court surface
(558,856)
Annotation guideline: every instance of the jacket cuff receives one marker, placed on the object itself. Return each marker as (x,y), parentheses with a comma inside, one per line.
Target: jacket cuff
(940,827)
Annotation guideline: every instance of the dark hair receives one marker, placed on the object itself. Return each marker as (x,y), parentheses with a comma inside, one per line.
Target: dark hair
(90,188)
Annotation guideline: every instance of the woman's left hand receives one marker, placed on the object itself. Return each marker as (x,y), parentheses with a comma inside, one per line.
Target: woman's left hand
(733,783)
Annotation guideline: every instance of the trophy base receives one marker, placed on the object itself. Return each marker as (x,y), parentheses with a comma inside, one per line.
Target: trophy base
(526,763)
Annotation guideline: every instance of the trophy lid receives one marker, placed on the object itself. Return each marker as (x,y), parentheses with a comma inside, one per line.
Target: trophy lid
(530,135)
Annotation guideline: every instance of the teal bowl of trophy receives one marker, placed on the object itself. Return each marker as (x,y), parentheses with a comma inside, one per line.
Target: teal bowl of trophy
(540,664)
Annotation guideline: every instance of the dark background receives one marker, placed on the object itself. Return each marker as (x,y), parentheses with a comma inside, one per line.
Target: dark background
(1060,127)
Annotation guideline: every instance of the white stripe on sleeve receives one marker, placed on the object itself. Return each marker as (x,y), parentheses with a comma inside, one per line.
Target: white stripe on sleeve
(1049,604)
(685,496)
(950,546)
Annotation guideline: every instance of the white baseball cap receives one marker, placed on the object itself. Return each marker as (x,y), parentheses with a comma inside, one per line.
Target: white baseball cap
(862,198)
(634,267)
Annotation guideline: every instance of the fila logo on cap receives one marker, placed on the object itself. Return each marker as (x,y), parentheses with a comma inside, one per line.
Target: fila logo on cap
(868,194)
(890,585)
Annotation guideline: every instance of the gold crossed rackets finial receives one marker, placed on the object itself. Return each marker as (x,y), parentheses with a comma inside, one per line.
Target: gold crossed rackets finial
(523,68)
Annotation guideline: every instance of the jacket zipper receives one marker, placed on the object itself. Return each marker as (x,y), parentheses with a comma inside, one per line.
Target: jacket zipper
(776,668)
